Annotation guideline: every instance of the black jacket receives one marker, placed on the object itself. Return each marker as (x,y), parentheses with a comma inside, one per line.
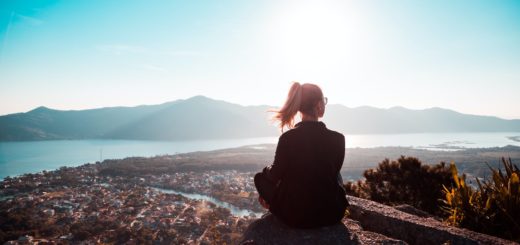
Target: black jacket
(306,171)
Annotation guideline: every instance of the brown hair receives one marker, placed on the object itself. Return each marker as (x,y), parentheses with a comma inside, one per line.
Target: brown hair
(301,98)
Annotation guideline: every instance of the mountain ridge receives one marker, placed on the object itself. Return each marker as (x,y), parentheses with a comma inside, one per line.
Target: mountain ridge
(201,117)
(197,97)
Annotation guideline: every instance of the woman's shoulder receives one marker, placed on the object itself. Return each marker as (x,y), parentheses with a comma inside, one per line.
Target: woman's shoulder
(288,134)
(336,135)
(320,126)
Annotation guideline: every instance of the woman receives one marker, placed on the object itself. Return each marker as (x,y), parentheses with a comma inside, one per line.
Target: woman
(303,186)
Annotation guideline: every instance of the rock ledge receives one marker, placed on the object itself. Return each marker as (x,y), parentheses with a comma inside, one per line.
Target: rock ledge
(270,230)
(368,223)
(413,229)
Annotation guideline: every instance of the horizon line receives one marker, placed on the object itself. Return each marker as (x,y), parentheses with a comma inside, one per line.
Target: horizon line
(221,100)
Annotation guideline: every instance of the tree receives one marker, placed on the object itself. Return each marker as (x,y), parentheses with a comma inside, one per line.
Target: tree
(404,181)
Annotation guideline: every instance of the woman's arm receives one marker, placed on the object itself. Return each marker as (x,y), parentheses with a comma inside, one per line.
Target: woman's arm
(341,153)
(275,171)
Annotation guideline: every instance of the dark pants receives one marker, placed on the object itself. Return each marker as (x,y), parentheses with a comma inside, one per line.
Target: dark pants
(265,187)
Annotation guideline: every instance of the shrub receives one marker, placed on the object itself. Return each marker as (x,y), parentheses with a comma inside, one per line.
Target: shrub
(492,208)
(404,181)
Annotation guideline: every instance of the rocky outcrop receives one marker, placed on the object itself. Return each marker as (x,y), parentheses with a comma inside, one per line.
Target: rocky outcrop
(413,229)
(270,230)
(368,223)
(413,211)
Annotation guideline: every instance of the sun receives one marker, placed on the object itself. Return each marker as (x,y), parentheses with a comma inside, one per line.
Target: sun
(315,34)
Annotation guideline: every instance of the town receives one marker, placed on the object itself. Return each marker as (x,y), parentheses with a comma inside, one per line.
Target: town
(79,204)
(227,186)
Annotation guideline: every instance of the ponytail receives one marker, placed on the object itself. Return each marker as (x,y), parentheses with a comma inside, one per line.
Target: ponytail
(291,106)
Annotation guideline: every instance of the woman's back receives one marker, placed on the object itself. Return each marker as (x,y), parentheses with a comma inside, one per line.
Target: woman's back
(309,193)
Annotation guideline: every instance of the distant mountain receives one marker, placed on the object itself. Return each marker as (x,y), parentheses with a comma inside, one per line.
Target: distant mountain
(370,120)
(200,117)
(195,118)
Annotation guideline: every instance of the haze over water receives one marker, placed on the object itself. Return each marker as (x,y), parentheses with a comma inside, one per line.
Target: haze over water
(29,157)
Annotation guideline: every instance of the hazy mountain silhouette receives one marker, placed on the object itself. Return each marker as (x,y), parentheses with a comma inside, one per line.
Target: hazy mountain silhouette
(370,120)
(200,117)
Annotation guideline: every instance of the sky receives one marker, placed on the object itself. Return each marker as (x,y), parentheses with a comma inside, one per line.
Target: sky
(462,55)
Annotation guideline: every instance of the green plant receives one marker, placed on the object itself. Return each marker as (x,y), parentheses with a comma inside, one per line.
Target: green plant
(493,207)
(404,181)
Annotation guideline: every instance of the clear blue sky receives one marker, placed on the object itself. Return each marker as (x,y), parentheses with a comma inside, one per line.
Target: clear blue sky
(462,55)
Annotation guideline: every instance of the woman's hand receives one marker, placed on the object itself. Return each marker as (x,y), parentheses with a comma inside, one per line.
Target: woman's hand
(263,202)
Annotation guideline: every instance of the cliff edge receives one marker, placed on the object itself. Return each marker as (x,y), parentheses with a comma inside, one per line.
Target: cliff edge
(368,223)
(270,230)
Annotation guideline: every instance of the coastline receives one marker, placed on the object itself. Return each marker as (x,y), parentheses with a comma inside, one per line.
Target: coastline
(118,191)
(256,156)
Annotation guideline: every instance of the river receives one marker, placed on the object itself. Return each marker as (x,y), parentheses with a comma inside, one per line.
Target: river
(234,210)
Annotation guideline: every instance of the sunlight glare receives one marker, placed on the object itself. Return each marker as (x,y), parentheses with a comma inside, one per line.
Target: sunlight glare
(316,36)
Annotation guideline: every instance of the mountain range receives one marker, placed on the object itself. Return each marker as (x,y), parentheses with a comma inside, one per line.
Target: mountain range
(200,117)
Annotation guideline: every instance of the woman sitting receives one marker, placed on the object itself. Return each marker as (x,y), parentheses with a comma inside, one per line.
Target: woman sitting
(303,186)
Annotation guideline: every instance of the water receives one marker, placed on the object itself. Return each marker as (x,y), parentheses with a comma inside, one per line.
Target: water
(33,156)
(234,210)
(434,141)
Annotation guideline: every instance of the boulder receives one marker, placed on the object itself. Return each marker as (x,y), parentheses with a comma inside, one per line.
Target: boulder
(270,230)
(368,222)
(413,211)
(413,229)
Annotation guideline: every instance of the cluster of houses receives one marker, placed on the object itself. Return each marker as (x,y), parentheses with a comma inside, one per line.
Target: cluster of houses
(76,204)
(230,186)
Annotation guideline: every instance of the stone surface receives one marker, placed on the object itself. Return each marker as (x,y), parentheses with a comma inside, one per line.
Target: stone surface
(368,237)
(368,223)
(412,210)
(270,230)
(413,229)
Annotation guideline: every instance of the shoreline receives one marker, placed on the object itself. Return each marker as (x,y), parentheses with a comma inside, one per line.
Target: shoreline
(20,158)
(356,159)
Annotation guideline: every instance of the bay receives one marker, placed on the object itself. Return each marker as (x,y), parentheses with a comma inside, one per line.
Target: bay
(34,156)
(17,158)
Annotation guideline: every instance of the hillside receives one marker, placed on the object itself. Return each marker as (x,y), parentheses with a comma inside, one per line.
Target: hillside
(200,117)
